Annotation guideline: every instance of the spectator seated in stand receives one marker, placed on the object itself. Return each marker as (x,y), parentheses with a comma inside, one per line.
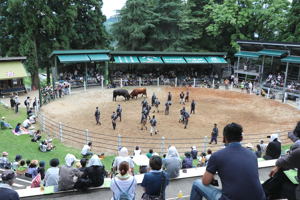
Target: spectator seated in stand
(273,150)
(123,156)
(4,162)
(86,150)
(68,174)
(93,175)
(172,162)
(6,191)
(124,184)
(4,124)
(137,151)
(155,181)
(237,168)
(22,168)
(149,154)
(187,161)
(194,152)
(15,164)
(52,174)
(83,163)
(202,160)
(32,170)
(208,155)
(41,169)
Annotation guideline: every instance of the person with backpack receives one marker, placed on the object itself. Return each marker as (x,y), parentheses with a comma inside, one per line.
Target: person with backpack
(123,185)
(155,181)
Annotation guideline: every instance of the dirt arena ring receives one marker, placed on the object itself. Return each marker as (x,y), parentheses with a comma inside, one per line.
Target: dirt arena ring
(258,116)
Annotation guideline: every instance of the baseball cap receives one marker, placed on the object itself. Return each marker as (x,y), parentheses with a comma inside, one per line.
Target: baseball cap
(8,175)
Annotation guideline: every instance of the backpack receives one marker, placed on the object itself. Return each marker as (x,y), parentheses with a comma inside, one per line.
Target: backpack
(124,195)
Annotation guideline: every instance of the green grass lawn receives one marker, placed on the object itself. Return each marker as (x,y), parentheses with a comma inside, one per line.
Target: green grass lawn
(29,150)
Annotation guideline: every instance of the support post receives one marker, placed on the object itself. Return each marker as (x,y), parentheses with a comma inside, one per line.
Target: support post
(140,81)
(102,82)
(119,141)
(284,97)
(158,82)
(84,85)
(238,66)
(162,147)
(106,73)
(268,95)
(213,83)
(121,83)
(70,90)
(86,135)
(61,131)
(194,82)
(205,143)
(175,81)
(262,72)
(285,75)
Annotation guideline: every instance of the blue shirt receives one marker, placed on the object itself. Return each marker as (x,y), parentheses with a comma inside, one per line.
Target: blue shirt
(238,170)
(152,182)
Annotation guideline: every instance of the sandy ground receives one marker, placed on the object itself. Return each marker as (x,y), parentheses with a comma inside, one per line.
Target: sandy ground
(254,113)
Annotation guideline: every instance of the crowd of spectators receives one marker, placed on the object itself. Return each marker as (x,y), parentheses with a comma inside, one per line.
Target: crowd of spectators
(235,165)
(274,80)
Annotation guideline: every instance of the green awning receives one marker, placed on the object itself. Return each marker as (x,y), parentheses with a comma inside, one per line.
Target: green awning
(12,70)
(150,59)
(73,58)
(291,59)
(98,57)
(173,60)
(216,60)
(195,60)
(270,52)
(247,54)
(126,59)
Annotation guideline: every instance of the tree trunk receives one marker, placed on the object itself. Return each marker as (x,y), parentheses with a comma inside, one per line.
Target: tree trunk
(48,74)
(35,74)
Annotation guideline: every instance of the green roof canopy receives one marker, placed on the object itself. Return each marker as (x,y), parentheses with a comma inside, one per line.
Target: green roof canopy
(98,57)
(195,60)
(12,70)
(126,59)
(78,51)
(247,54)
(73,58)
(173,60)
(270,52)
(150,59)
(216,60)
(291,59)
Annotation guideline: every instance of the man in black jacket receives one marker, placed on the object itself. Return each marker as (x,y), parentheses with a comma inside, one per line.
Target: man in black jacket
(273,150)
(6,192)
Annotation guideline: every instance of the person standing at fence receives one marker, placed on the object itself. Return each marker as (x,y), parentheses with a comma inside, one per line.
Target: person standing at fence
(97,116)
(114,117)
(169,98)
(27,103)
(193,107)
(214,134)
(119,112)
(187,96)
(167,108)
(181,96)
(153,123)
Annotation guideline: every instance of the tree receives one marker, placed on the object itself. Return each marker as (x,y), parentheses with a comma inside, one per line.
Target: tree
(134,27)
(292,33)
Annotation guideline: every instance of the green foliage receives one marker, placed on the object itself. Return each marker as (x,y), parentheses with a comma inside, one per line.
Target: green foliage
(292,31)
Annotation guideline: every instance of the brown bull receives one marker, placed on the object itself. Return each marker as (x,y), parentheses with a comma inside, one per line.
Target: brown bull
(138,91)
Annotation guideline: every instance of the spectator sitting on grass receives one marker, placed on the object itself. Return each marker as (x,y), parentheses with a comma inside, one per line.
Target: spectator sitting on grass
(18,129)
(93,175)
(149,154)
(172,162)
(22,168)
(237,168)
(68,174)
(194,152)
(4,124)
(6,191)
(52,174)
(4,162)
(123,156)
(26,124)
(187,161)
(15,164)
(155,181)
(36,136)
(86,150)
(123,182)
